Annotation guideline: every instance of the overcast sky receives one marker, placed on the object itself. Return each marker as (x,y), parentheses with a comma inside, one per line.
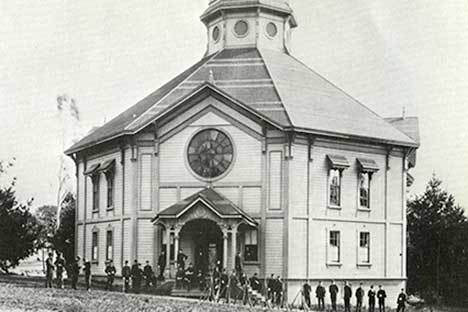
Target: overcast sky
(109,54)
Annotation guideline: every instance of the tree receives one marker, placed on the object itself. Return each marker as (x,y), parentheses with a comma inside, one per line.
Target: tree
(64,238)
(437,245)
(47,217)
(19,229)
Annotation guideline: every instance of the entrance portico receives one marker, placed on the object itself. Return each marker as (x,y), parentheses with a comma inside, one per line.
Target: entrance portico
(205,226)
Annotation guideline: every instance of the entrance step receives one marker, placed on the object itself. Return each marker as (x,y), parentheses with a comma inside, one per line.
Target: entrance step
(193,293)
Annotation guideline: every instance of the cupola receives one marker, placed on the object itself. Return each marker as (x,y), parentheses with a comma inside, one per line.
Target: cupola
(248,23)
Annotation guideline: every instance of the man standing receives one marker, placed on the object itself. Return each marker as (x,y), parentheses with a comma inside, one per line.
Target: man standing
(238,264)
(75,272)
(333,290)
(348,293)
(181,257)
(320,294)
(148,275)
(278,290)
(271,287)
(136,276)
(371,295)
(110,272)
(306,291)
(359,296)
(162,264)
(126,274)
(87,273)
(381,295)
(401,301)
(255,282)
(49,271)
(59,265)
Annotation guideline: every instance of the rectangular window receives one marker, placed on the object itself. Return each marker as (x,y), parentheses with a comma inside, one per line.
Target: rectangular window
(94,247)
(334,187)
(95,180)
(109,245)
(364,247)
(364,190)
(110,190)
(334,247)
(250,246)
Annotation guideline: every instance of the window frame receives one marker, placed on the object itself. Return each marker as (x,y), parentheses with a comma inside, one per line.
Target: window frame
(111,245)
(340,185)
(250,242)
(96,189)
(95,246)
(369,186)
(360,261)
(110,179)
(330,261)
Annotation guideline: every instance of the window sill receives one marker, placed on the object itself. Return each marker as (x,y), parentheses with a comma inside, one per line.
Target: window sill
(363,264)
(334,264)
(364,209)
(111,208)
(332,207)
(95,262)
(251,262)
(95,211)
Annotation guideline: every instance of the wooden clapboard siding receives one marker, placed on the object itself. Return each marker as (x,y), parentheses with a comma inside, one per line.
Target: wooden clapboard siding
(81,192)
(394,268)
(251,199)
(231,193)
(297,263)
(187,191)
(395,196)
(274,246)
(275,179)
(298,181)
(80,241)
(146,170)
(167,197)
(145,241)
(128,204)
(117,244)
(127,241)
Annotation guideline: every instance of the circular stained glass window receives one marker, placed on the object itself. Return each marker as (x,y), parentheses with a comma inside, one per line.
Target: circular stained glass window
(241,28)
(271,29)
(216,34)
(210,153)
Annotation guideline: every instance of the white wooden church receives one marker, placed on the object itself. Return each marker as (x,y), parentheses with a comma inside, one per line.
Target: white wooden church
(249,151)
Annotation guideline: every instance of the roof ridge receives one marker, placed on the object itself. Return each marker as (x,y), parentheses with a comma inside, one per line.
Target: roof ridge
(208,58)
(347,95)
(275,87)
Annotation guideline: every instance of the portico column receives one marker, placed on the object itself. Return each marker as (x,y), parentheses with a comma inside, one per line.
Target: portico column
(225,246)
(176,246)
(168,251)
(233,246)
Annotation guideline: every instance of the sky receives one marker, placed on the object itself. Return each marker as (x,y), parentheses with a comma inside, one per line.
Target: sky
(107,55)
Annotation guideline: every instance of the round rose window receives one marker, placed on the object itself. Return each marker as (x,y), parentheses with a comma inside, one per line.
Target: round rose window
(241,28)
(210,153)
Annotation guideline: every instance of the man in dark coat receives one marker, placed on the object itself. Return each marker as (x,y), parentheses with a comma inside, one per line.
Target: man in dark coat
(371,295)
(110,272)
(320,294)
(49,271)
(148,275)
(189,276)
(181,257)
(75,271)
(348,293)
(359,296)
(333,290)
(401,301)
(306,289)
(126,274)
(162,264)
(271,287)
(381,295)
(238,264)
(136,276)
(278,290)
(255,282)
(87,272)
(59,265)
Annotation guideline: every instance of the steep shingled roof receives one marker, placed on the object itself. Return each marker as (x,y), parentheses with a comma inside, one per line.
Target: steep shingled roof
(275,84)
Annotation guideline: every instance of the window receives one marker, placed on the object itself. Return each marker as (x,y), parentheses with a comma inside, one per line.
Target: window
(364,248)
(335,187)
(241,28)
(171,245)
(364,189)
(94,247)
(95,179)
(109,245)
(250,246)
(110,190)
(334,247)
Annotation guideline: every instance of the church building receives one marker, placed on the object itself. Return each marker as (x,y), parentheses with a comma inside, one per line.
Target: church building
(250,151)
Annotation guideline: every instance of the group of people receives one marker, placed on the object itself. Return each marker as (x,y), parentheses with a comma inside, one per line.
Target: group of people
(60,266)
(333,290)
